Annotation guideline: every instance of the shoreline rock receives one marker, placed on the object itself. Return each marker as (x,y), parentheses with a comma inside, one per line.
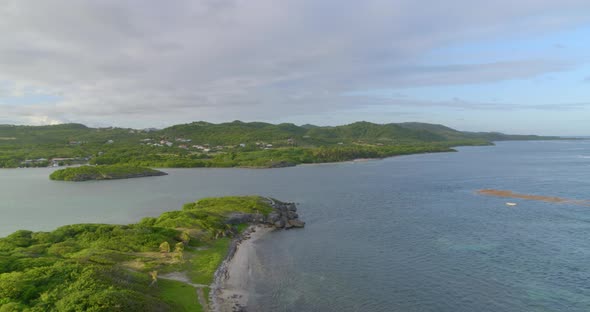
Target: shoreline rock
(284,216)
(82,178)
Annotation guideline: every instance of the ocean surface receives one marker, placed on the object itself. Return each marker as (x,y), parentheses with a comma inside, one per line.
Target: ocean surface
(401,234)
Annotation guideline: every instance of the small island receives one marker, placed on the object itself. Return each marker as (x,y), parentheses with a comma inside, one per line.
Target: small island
(103,172)
(183,260)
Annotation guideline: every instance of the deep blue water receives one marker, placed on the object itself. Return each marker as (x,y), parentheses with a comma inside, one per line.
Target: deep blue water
(401,234)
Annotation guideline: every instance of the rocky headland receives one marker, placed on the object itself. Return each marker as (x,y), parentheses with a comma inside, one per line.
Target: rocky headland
(283,216)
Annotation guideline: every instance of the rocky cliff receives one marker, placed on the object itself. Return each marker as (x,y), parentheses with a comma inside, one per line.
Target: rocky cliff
(283,216)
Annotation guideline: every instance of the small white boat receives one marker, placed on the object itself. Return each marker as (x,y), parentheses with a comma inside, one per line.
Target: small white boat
(510,204)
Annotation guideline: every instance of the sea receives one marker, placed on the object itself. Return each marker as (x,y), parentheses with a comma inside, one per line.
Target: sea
(408,233)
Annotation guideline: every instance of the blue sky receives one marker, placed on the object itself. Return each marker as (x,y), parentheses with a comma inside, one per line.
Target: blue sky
(559,99)
(519,67)
(569,85)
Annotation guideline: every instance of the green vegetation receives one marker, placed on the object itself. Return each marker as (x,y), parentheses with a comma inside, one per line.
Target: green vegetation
(180,294)
(234,144)
(100,267)
(85,173)
(205,262)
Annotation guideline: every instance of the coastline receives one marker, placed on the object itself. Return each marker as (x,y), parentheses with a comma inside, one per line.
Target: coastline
(232,277)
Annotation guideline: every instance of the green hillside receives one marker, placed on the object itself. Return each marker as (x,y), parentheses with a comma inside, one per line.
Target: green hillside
(249,144)
(104,267)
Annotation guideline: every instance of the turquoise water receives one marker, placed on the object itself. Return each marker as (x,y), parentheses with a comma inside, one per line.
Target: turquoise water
(401,234)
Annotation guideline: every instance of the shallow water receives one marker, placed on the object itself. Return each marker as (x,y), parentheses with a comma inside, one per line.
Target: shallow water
(401,234)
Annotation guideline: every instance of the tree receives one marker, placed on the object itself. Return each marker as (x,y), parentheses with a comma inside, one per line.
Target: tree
(154,276)
(21,238)
(165,247)
(179,250)
(179,247)
(185,237)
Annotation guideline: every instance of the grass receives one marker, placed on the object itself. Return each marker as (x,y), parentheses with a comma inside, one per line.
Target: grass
(209,214)
(203,263)
(180,295)
(242,227)
(229,204)
(200,267)
(93,265)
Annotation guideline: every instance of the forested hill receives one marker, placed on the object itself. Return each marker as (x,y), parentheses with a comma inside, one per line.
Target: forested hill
(249,132)
(241,132)
(231,144)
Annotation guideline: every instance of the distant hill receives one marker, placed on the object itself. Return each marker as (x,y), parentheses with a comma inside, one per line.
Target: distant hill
(393,133)
(59,133)
(237,132)
(231,144)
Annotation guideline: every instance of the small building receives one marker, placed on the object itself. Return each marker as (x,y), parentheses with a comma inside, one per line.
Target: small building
(58,161)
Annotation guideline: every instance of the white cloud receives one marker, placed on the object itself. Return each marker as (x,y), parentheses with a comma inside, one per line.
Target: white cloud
(43,120)
(137,63)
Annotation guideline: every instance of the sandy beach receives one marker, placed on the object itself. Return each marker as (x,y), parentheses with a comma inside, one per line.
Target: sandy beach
(234,274)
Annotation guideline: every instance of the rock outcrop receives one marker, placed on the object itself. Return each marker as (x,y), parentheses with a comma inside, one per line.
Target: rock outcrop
(283,216)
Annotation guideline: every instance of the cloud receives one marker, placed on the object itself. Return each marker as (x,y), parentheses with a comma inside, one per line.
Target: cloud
(467,73)
(460,104)
(139,64)
(562,106)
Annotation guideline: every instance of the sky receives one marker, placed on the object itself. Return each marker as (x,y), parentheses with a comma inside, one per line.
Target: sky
(510,66)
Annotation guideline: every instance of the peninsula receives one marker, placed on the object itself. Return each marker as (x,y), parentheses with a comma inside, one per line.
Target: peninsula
(168,263)
(103,172)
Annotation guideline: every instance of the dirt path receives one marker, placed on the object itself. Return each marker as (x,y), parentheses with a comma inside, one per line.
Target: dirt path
(202,299)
